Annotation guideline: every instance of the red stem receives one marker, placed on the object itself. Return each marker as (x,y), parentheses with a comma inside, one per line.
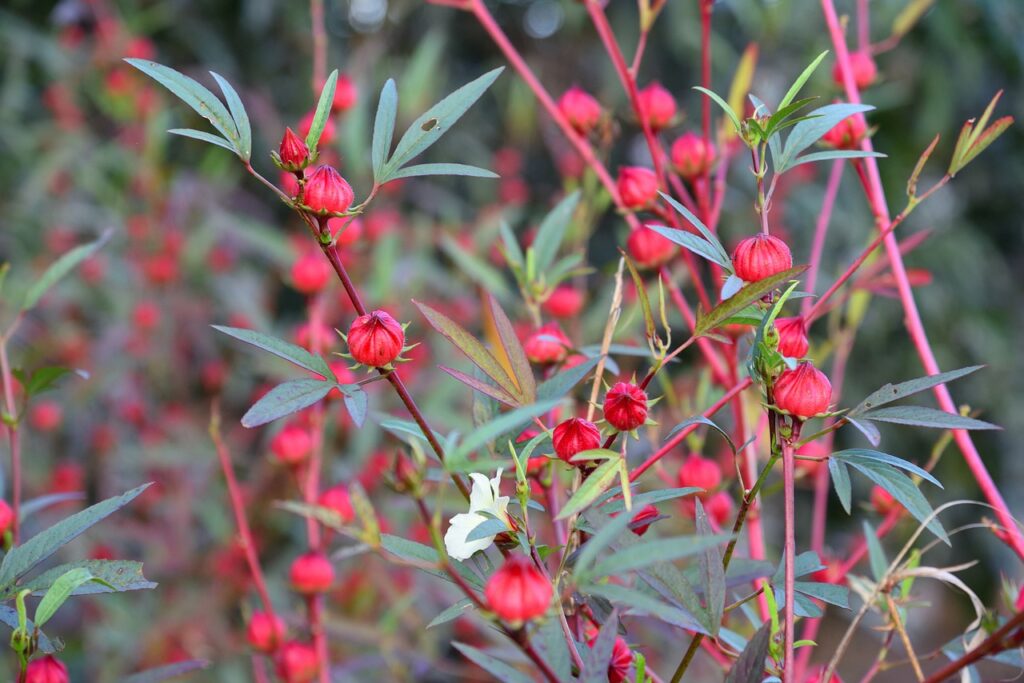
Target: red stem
(789,508)
(13,435)
(835,176)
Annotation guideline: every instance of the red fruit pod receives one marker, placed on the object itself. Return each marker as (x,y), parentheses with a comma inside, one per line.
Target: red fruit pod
(297,663)
(864,70)
(574,436)
(327,192)
(547,345)
(638,186)
(847,134)
(328,134)
(310,273)
(293,152)
(376,339)
(882,501)
(803,392)
(719,508)
(761,256)
(581,110)
(700,472)
(265,631)
(6,517)
(649,249)
(311,573)
(46,669)
(518,592)
(621,661)
(345,95)
(657,106)
(792,337)
(292,445)
(337,499)
(625,406)
(564,302)
(642,520)
(691,157)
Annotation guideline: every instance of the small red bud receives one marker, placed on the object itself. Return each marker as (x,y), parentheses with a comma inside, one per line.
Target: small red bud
(803,392)
(293,151)
(265,631)
(292,445)
(649,249)
(625,406)
(564,302)
(6,517)
(638,186)
(864,70)
(547,345)
(518,592)
(761,256)
(573,436)
(647,512)
(691,157)
(375,339)
(310,273)
(792,337)
(297,663)
(46,669)
(581,109)
(702,473)
(311,573)
(337,499)
(658,106)
(327,192)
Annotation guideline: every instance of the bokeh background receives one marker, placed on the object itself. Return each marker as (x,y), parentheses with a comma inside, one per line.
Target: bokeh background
(196,242)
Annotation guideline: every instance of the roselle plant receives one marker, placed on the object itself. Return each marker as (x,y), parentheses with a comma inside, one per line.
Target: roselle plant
(608,397)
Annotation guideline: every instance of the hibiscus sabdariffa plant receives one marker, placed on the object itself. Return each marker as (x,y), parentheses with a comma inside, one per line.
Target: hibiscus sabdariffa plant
(574,554)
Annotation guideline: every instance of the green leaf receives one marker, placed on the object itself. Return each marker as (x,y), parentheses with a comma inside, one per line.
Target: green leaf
(691,218)
(113,576)
(23,558)
(840,476)
(776,120)
(195,95)
(648,552)
(323,111)
(711,572)
(34,505)
(474,267)
(497,393)
(436,121)
(280,348)
(852,455)
(800,81)
(826,592)
(894,392)
(326,516)
(450,614)
(238,115)
(497,668)
(610,529)
(61,267)
(903,489)
(749,666)
(834,154)
(470,347)
(487,528)
(62,589)
(921,416)
(384,128)
(9,616)
(876,556)
(488,432)
(809,131)
(513,350)
(204,137)
(592,487)
(636,602)
(45,378)
(285,399)
(562,383)
(552,231)
(442,169)
(651,497)
(688,240)
(356,403)
(419,555)
(513,252)
(706,322)
(724,105)
(167,672)
(650,328)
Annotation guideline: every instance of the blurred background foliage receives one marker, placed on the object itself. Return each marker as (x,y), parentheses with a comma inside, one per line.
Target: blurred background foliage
(83,148)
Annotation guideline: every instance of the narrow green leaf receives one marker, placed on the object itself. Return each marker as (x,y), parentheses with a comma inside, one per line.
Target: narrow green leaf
(285,399)
(280,348)
(323,111)
(452,613)
(487,528)
(21,559)
(204,136)
(60,268)
(876,556)
(894,392)
(597,657)
(420,555)
(62,589)
(486,433)
(800,81)
(610,528)
(650,329)
(552,231)
(442,169)
(852,455)
(711,572)
(497,393)
(650,497)
(356,403)
(436,121)
(384,128)
(749,666)
(45,378)
(984,140)
(167,672)
(840,476)
(700,419)
(500,670)
(649,552)
(514,351)
(688,240)
(724,105)
(192,93)
(784,112)
(834,154)
(706,322)
(903,489)
(921,416)
(562,383)
(238,115)
(592,487)
(475,267)
(113,576)
(826,592)
(636,602)
(513,252)
(821,121)
(691,218)
(34,505)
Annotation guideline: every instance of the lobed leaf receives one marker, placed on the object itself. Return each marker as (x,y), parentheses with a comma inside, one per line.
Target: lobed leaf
(809,131)
(921,416)
(238,115)
(442,169)
(285,399)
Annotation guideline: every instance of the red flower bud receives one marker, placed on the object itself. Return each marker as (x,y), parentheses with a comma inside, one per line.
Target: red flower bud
(847,134)
(761,256)
(719,508)
(625,406)
(622,659)
(832,573)
(647,512)
(327,192)
(336,498)
(815,449)
(310,273)
(375,339)
(6,517)
(573,436)
(564,302)
(45,415)
(691,157)
(792,336)
(658,106)
(649,249)
(882,501)
(265,632)
(700,472)
(518,592)
(293,151)
(311,573)
(345,95)
(863,67)
(804,392)
(46,669)
(346,231)
(638,186)
(297,663)
(582,110)
(292,445)
(547,345)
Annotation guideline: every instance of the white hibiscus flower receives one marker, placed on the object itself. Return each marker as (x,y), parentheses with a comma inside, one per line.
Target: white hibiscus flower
(482,498)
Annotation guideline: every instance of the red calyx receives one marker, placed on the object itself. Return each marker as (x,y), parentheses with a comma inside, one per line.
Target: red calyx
(547,345)
(658,106)
(518,592)
(792,337)
(691,157)
(803,392)
(638,186)
(327,192)
(293,151)
(649,249)
(375,339)
(761,256)
(573,436)
(311,573)
(625,406)
(265,632)
(581,109)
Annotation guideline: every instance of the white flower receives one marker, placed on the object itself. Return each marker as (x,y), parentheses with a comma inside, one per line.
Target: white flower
(482,498)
